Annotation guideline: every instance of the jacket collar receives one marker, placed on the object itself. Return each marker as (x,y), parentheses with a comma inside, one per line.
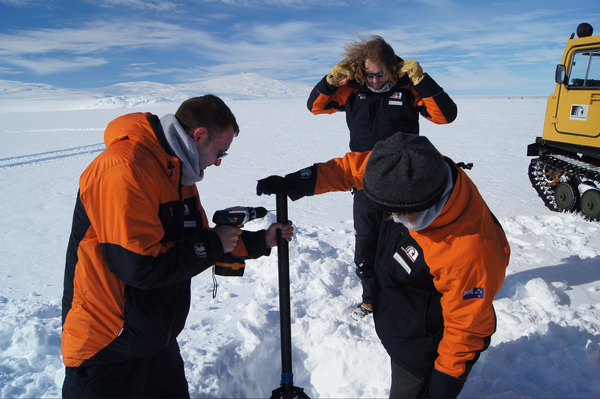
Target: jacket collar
(458,200)
(144,129)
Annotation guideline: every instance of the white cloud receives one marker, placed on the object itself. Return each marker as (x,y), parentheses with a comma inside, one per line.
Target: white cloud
(300,4)
(17,3)
(95,36)
(154,5)
(285,47)
(46,66)
(8,71)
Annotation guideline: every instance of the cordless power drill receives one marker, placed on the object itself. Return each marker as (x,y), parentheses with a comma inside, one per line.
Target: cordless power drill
(238,216)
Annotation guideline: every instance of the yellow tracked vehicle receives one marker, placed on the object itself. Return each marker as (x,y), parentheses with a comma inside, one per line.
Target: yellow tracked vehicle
(566,170)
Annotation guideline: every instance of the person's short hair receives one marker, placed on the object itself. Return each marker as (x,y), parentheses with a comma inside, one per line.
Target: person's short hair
(375,49)
(207,111)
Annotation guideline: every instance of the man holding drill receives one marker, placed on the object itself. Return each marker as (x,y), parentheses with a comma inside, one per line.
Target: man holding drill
(139,235)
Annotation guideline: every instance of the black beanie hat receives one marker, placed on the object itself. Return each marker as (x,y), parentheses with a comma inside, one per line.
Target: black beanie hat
(405,174)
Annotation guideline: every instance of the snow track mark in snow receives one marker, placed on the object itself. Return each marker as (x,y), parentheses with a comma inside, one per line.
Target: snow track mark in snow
(32,159)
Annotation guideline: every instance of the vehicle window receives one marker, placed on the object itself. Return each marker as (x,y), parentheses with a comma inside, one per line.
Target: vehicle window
(585,69)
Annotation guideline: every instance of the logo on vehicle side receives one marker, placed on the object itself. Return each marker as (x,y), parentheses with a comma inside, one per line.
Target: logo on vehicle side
(579,112)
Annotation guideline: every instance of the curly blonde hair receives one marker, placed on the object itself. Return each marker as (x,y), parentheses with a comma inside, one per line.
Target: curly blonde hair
(375,49)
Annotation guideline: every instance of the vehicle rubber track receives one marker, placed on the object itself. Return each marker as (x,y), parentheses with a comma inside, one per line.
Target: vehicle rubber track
(569,169)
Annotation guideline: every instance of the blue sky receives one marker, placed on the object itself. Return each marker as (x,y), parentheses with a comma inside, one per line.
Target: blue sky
(469,47)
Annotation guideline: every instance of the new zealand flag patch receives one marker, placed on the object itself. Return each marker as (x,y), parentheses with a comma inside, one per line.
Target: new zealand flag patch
(473,293)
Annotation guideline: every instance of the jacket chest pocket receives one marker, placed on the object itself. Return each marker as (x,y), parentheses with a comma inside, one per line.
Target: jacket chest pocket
(171,215)
(400,267)
(358,112)
(404,263)
(192,221)
(400,107)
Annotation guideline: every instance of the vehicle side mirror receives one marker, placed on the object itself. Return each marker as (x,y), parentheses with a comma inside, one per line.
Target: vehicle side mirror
(560,74)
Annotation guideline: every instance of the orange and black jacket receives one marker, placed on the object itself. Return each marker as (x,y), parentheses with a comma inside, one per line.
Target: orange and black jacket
(137,239)
(372,117)
(434,288)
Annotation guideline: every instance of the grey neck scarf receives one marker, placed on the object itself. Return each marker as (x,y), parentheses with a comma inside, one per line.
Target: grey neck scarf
(386,87)
(184,148)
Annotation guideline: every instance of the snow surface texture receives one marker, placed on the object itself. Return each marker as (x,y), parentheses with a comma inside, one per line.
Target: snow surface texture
(547,342)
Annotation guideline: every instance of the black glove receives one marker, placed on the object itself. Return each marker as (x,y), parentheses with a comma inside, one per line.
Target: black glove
(442,385)
(272,185)
(295,185)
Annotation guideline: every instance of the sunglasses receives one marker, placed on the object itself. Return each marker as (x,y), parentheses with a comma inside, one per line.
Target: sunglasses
(374,75)
(222,154)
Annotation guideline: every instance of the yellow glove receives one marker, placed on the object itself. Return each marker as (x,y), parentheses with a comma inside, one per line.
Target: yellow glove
(413,69)
(340,72)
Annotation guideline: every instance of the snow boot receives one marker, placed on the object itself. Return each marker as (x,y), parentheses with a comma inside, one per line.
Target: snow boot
(362,311)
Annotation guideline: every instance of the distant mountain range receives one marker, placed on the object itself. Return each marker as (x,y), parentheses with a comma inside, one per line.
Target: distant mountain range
(19,96)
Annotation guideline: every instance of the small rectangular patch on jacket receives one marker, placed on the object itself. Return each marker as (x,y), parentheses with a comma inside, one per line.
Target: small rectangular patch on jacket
(396,102)
(473,293)
(402,262)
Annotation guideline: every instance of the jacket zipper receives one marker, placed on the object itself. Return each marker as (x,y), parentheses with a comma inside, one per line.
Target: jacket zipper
(392,249)
(384,100)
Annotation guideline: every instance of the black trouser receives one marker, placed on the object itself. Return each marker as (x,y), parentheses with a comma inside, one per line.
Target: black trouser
(367,222)
(160,375)
(406,385)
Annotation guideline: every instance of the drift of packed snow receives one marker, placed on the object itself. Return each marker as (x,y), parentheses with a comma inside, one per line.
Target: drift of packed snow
(548,336)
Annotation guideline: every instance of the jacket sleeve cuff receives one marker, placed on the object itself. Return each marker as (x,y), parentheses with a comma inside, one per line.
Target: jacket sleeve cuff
(325,88)
(302,183)
(208,247)
(428,87)
(255,244)
(442,385)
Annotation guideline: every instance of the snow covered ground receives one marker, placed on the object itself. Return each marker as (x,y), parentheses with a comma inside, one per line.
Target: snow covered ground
(547,342)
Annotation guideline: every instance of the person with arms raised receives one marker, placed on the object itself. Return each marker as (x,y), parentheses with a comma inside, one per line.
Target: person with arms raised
(381,94)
